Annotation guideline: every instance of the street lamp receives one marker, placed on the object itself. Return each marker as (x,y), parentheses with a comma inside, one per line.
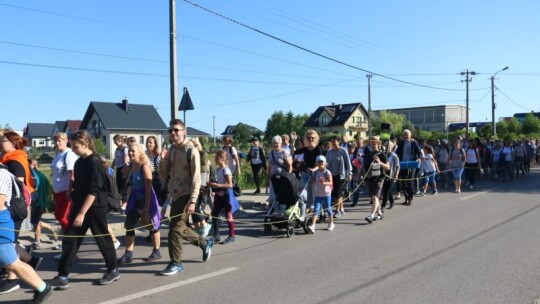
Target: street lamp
(467,80)
(493,125)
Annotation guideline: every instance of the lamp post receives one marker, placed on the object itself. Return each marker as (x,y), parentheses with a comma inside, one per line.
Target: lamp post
(442,123)
(467,80)
(368,76)
(493,105)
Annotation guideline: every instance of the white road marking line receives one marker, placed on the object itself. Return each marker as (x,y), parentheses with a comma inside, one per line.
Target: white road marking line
(473,195)
(170,286)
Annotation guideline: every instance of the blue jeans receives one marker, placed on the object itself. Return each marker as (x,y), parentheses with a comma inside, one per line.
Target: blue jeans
(326,202)
(456,173)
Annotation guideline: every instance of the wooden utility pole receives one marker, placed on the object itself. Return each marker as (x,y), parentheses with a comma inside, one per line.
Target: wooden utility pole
(172,48)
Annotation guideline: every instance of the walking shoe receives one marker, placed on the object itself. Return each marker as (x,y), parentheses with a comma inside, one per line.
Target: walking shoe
(7,286)
(207,250)
(40,297)
(125,259)
(380,217)
(156,255)
(216,239)
(58,283)
(337,214)
(311,229)
(331,227)
(36,245)
(391,206)
(435,192)
(172,269)
(230,239)
(116,244)
(109,277)
(369,219)
(397,197)
(35,262)
(206,229)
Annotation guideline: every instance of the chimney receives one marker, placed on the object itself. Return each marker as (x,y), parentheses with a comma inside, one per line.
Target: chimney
(125,104)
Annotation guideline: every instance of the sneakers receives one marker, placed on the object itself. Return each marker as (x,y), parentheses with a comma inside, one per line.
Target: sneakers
(230,239)
(7,286)
(204,230)
(109,277)
(216,239)
(369,219)
(58,283)
(126,258)
(435,192)
(380,217)
(311,229)
(116,244)
(40,297)
(331,227)
(35,262)
(207,250)
(172,269)
(156,255)
(337,214)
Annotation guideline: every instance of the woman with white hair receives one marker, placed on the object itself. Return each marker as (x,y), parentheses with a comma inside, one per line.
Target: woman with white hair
(279,161)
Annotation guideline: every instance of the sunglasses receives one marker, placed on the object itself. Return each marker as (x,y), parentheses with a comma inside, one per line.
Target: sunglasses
(175,130)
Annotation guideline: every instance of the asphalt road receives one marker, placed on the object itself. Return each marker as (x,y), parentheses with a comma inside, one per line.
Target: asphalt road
(479,246)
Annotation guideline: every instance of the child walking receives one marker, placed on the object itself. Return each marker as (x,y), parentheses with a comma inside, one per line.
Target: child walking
(322,178)
(430,169)
(221,185)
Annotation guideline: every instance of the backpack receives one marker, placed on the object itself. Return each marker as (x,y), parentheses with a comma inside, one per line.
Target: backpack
(20,199)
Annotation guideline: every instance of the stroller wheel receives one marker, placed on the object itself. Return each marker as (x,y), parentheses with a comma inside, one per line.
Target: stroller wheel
(290,231)
(306,224)
(267,229)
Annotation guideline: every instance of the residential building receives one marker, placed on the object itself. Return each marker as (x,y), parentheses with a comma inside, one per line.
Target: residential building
(344,119)
(230,130)
(104,120)
(39,135)
(67,126)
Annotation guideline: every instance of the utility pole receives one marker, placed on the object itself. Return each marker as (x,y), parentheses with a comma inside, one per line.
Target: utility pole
(467,80)
(368,76)
(172,50)
(493,105)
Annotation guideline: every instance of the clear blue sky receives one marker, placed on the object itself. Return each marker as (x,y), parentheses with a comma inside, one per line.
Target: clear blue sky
(58,55)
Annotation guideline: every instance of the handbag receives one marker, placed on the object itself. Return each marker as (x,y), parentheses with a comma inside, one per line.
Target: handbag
(236,189)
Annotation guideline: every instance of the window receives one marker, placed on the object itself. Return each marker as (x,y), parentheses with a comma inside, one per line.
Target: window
(104,139)
(141,140)
(324,121)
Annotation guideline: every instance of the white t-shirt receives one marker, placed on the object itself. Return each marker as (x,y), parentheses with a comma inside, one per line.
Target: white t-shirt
(471,156)
(119,155)
(60,176)
(429,165)
(230,151)
(6,185)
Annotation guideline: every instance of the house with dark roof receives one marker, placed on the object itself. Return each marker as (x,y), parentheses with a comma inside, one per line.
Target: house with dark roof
(345,119)
(104,120)
(39,135)
(230,130)
(521,116)
(67,126)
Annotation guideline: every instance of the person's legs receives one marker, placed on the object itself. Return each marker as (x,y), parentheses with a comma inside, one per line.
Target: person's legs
(61,208)
(98,226)
(70,246)
(256,169)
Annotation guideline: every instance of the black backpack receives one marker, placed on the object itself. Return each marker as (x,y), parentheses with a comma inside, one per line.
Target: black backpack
(17,205)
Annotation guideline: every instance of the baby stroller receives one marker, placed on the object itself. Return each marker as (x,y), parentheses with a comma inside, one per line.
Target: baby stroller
(285,212)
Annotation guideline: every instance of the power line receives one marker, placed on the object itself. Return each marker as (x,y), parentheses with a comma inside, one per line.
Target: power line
(312,52)
(517,104)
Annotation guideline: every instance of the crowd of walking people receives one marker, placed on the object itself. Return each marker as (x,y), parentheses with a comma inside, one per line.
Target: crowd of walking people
(146,181)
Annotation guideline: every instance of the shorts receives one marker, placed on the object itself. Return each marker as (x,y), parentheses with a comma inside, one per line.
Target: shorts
(374,186)
(337,184)
(429,177)
(8,254)
(35,215)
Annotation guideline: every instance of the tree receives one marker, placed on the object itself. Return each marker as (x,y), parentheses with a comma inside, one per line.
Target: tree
(100,147)
(531,124)
(514,126)
(241,133)
(397,122)
(485,131)
(280,123)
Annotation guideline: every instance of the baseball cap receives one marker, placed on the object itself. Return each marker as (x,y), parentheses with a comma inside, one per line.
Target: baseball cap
(320,158)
